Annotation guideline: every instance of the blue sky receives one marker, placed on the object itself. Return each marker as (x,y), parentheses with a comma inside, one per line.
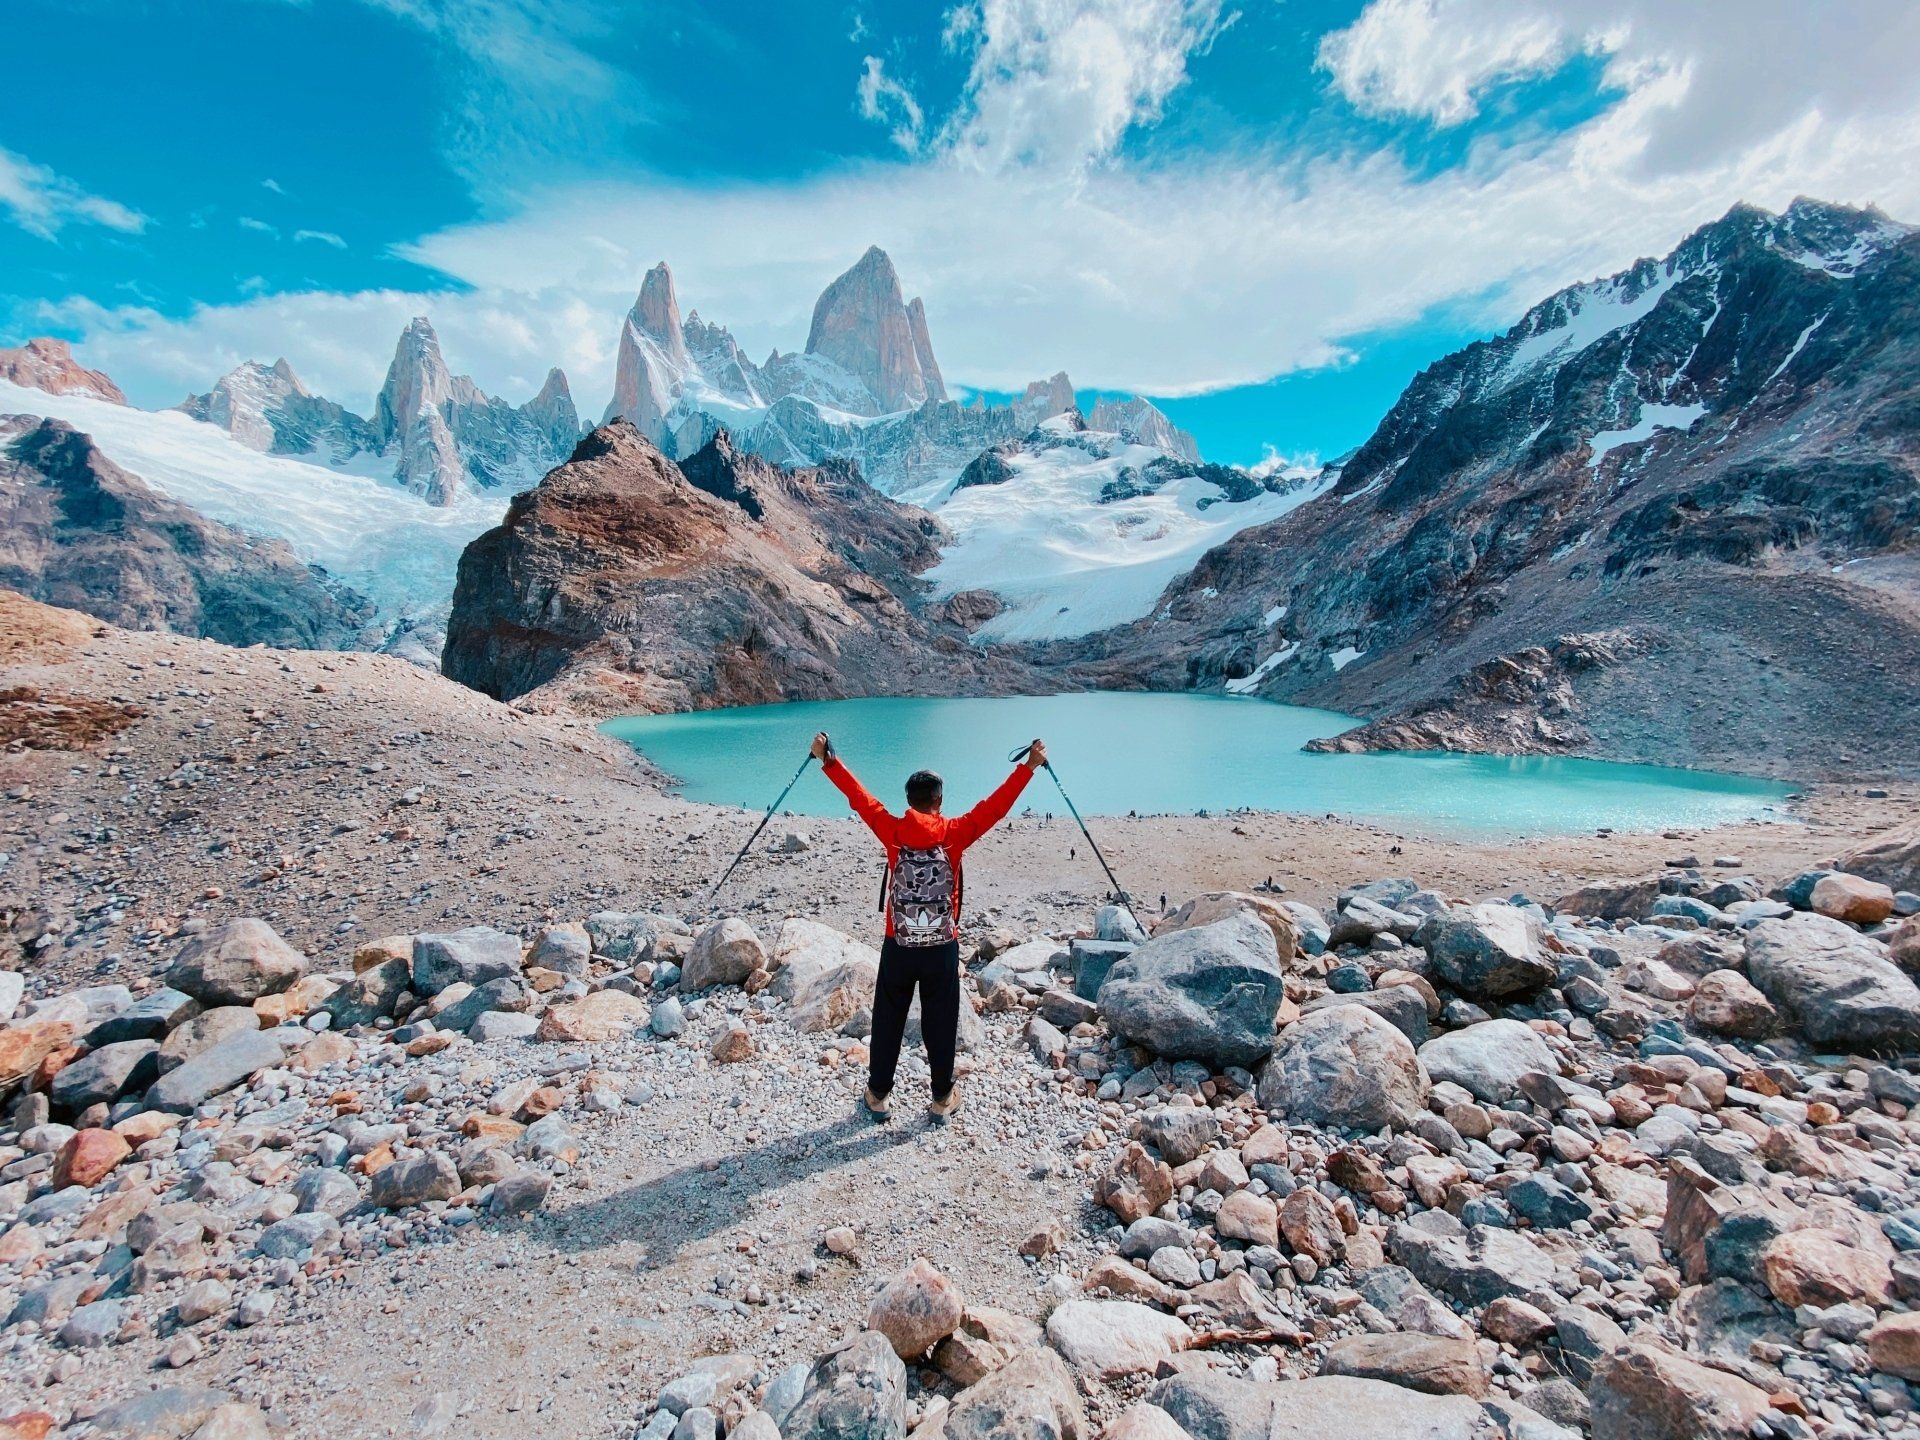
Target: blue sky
(1268,214)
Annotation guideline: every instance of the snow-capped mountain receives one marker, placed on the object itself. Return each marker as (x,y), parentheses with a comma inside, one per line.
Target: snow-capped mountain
(1670,515)
(48,364)
(436,433)
(1077,528)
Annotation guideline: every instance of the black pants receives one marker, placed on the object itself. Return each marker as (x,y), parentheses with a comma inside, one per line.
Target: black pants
(935,969)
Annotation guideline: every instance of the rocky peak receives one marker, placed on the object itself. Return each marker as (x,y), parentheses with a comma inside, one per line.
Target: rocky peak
(1143,423)
(861,324)
(923,350)
(47,364)
(656,314)
(1043,399)
(417,381)
(284,373)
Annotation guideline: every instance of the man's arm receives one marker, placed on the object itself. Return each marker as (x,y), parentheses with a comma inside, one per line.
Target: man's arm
(992,810)
(859,798)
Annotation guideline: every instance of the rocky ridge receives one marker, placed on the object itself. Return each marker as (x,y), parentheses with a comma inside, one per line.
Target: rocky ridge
(48,364)
(625,582)
(441,433)
(79,531)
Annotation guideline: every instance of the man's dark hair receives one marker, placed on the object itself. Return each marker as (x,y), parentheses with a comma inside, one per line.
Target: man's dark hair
(924,789)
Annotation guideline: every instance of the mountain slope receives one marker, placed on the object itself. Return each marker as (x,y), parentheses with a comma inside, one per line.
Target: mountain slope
(625,582)
(47,364)
(78,531)
(1693,485)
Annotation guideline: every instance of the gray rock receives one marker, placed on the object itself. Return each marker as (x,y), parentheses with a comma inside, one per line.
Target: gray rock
(563,949)
(1209,993)
(1478,1266)
(214,1071)
(855,1392)
(414,1180)
(1401,1006)
(1362,918)
(1031,1397)
(299,1236)
(1585,1337)
(174,1411)
(724,953)
(148,1018)
(474,955)
(1178,1132)
(1344,1066)
(519,1194)
(1115,923)
(626,939)
(373,993)
(1215,1407)
(1489,1058)
(504,993)
(324,1190)
(548,1138)
(1093,961)
(91,1326)
(669,1017)
(106,1074)
(1150,1233)
(784,1393)
(236,964)
(503,1025)
(1838,986)
(1487,952)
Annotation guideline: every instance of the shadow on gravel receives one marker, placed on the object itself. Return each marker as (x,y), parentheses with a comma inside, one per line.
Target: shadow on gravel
(694,1201)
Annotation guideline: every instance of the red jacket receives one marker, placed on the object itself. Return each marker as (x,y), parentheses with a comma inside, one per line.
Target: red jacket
(920,831)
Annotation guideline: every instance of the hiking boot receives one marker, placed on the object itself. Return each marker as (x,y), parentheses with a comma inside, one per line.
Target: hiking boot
(943,1107)
(878,1107)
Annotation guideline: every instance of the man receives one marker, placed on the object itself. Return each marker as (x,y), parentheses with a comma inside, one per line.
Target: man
(921,897)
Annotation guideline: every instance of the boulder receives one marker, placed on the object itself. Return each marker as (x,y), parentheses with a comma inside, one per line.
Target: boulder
(24,1044)
(1612,899)
(235,964)
(1893,1345)
(603,1015)
(1143,1422)
(1850,898)
(1892,858)
(1344,1066)
(826,977)
(1032,1397)
(985,1340)
(214,1071)
(1137,1186)
(1838,986)
(88,1158)
(1645,1391)
(1312,1226)
(1362,918)
(503,993)
(471,956)
(1818,1267)
(414,1180)
(148,1018)
(1401,1006)
(1111,1338)
(563,949)
(372,993)
(1179,1132)
(627,939)
(1207,992)
(1489,1058)
(1726,1003)
(203,1031)
(104,1075)
(1218,905)
(855,1392)
(725,953)
(1487,952)
(1211,1406)
(1427,1363)
(1477,1264)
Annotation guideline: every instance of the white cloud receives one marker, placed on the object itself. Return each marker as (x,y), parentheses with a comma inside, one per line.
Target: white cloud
(1432,58)
(886,100)
(1231,268)
(322,237)
(247,222)
(41,202)
(1054,84)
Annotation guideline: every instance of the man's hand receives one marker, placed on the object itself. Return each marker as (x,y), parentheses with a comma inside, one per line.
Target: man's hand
(819,747)
(1036,755)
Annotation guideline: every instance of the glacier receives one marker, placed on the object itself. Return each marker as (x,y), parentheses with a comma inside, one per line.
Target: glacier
(396,548)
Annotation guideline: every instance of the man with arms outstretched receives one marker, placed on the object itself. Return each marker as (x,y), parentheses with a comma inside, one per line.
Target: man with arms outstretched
(921,897)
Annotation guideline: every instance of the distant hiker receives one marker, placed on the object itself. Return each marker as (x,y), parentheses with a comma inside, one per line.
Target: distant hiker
(921,895)
(1163,902)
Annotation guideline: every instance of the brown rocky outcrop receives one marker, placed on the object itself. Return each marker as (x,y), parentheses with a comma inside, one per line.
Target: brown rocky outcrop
(625,582)
(47,364)
(861,324)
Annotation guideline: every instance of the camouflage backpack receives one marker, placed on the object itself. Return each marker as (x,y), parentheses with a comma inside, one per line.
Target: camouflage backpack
(918,896)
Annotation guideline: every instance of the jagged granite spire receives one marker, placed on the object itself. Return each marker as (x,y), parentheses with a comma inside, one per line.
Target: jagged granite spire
(652,357)
(861,323)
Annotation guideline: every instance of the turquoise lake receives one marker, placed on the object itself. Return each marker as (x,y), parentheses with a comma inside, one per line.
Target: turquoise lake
(1176,754)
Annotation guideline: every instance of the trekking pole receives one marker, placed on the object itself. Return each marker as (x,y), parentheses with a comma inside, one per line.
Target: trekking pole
(771,809)
(1119,891)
